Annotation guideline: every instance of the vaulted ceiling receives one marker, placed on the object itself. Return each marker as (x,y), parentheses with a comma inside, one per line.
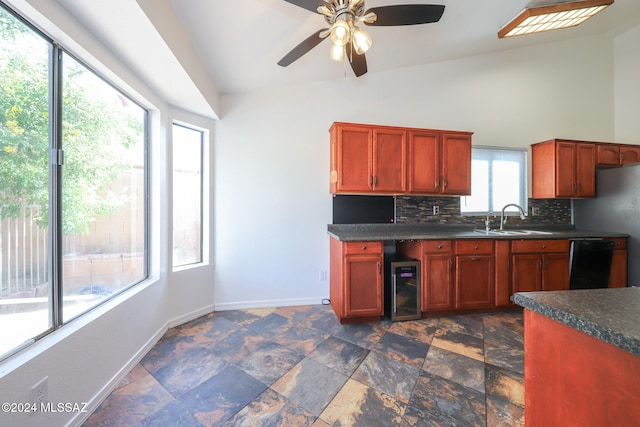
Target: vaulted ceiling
(228,47)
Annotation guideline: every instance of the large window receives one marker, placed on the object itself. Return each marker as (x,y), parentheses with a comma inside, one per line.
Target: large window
(188,145)
(498,178)
(72,187)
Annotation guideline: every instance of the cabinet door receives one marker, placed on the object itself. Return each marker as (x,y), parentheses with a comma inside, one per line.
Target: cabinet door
(618,276)
(566,185)
(474,281)
(363,286)
(355,159)
(389,161)
(437,289)
(629,154)
(555,272)
(424,162)
(456,164)
(585,170)
(526,273)
(608,155)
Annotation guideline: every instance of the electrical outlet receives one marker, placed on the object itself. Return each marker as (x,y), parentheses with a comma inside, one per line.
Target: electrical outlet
(535,211)
(436,210)
(40,391)
(322,275)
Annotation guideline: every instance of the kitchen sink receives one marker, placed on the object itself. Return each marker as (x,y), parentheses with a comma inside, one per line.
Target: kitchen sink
(511,232)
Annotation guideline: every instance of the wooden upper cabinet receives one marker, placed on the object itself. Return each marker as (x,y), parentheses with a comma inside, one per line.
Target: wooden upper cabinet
(563,169)
(456,164)
(617,154)
(629,154)
(389,161)
(608,155)
(424,162)
(393,160)
(351,159)
(439,163)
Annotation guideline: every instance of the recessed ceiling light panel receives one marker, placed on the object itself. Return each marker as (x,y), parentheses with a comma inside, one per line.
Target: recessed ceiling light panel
(552,17)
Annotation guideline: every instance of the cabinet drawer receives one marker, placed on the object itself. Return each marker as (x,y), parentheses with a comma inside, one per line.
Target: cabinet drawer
(620,243)
(474,247)
(539,246)
(362,248)
(436,246)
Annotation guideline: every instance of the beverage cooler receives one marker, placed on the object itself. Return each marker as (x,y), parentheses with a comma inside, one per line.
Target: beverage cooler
(402,287)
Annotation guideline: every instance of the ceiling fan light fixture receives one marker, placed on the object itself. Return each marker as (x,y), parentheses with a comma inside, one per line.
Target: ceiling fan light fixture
(361,40)
(337,53)
(340,33)
(555,16)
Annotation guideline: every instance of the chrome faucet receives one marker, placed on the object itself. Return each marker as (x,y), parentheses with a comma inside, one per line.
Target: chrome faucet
(487,223)
(502,217)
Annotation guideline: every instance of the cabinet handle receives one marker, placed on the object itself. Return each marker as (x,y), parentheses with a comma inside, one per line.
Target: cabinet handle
(379,267)
(575,187)
(438,182)
(439,246)
(446,183)
(375,180)
(475,259)
(580,188)
(508,266)
(546,264)
(544,246)
(621,157)
(450,265)
(475,248)
(364,248)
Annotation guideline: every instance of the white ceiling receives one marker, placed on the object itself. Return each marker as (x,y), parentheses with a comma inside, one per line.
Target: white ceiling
(237,43)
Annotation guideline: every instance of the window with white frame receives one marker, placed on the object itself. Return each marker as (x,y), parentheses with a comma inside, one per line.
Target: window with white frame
(188,149)
(498,178)
(73,187)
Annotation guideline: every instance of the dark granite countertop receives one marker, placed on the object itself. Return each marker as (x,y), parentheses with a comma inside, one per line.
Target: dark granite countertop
(610,315)
(368,232)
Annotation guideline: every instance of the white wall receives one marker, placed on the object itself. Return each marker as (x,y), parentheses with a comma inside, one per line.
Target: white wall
(272,149)
(85,359)
(627,87)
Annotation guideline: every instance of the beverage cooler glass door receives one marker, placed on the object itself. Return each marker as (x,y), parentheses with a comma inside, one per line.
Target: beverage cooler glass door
(405,290)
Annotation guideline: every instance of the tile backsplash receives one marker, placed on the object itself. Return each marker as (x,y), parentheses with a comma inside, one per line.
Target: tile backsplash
(419,210)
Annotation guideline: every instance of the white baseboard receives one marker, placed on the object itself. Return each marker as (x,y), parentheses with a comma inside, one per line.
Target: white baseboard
(108,388)
(177,321)
(242,305)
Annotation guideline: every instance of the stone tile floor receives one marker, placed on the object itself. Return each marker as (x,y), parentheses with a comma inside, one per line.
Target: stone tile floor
(297,366)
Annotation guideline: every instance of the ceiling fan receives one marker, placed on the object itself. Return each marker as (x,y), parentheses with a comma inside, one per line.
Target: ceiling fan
(348,40)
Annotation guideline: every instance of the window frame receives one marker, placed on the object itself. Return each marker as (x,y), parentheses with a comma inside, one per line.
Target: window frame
(523,180)
(55,166)
(203,134)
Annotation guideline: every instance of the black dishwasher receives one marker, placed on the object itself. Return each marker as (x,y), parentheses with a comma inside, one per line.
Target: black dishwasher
(590,263)
(402,287)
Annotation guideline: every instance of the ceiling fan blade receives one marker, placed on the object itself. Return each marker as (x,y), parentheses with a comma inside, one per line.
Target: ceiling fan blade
(406,14)
(311,5)
(307,44)
(358,62)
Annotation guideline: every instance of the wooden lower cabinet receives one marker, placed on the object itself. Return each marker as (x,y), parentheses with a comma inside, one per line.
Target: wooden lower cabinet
(474,278)
(437,272)
(474,281)
(539,265)
(357,283)
(618,275)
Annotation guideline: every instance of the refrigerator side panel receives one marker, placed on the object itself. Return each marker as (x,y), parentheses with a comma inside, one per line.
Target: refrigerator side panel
(616,209)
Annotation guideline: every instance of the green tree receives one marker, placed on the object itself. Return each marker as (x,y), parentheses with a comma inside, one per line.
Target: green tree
(98,131)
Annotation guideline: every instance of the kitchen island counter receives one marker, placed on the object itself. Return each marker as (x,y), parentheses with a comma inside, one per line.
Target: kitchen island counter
(610,315)
(582,357)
